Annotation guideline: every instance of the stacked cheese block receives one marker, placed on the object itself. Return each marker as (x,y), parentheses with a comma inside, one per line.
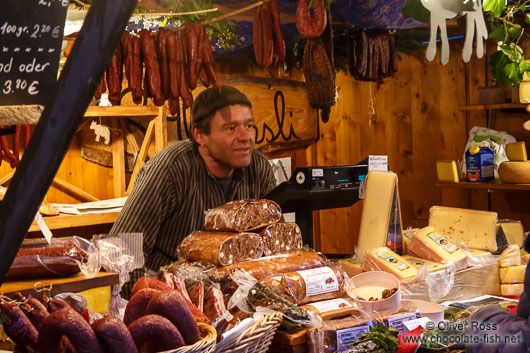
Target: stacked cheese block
(517,169)
(511,271)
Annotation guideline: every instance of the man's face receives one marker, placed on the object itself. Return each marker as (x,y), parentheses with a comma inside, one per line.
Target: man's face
(231,139)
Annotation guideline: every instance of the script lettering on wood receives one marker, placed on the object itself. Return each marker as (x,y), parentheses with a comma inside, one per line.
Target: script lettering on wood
(280,121)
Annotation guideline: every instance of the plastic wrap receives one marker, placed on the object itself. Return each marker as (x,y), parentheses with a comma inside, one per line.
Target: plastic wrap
(37,258)
(335,335)
(243,215)
(281,237)
(383,259)
(221,248)
(120,253)
(511,256)
(306,286)
(274,265)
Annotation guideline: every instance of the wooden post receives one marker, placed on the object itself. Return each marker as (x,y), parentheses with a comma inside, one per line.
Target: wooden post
(86,63)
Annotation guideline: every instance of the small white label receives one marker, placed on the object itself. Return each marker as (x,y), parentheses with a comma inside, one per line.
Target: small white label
(412,324)
(400,265)
(317,172)
(379,163)
(443,242)
(319,280)
(348,335)
(43,227)
(330,305)
(397,321)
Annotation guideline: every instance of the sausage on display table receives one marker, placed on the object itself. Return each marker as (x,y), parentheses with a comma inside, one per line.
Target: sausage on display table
(154,333)
(114,335)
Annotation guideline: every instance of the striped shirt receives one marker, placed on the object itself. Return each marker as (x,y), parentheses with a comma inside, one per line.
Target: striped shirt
(173,190)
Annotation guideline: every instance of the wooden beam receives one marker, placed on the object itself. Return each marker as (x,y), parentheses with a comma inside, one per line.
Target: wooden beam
(118,159)
(73,190)
(89,58)
(142,154)
(161,129)
(6,178)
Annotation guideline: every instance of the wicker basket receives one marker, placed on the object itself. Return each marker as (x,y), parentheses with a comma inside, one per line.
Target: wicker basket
(205,345)
(257,338)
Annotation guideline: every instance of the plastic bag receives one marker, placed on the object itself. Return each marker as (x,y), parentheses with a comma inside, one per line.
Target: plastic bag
(495,140)
(243,215)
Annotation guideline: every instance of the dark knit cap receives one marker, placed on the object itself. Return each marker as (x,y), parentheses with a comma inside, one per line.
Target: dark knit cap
(210,100)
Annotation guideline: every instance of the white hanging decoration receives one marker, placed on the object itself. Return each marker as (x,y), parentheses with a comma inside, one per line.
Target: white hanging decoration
(100,131)
(442,10)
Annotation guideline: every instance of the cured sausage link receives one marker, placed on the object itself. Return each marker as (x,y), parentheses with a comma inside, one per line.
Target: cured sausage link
(307,26)
(114,335)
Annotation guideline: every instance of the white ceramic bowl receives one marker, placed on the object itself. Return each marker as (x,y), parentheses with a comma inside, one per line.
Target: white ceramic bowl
(434,311)
(375,279)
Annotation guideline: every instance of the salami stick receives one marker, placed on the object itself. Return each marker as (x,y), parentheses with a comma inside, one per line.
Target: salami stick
(307,26)
(279,43)
(174,83)
(193,51)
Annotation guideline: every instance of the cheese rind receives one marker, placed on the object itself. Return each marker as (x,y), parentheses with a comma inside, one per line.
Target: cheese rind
(418,263)
(377,208)
(515,172)
(447,171)
(384,259)
(516,151)
(514,274)
(513,230)
(512,290)
(476,229)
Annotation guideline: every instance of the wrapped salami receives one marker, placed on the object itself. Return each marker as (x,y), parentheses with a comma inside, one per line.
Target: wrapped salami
(243,215)
(221,248)
(281,237)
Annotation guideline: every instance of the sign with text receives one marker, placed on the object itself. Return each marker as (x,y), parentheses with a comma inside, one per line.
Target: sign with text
(31,34)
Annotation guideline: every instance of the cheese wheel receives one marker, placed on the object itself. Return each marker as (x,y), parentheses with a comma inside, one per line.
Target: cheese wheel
(515,172)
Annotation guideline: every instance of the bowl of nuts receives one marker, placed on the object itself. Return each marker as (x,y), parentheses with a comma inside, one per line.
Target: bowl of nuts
(375,290)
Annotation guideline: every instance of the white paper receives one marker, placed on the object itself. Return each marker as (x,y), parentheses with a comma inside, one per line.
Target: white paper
(43,227)
(412,324)
(379,163)
(102,206)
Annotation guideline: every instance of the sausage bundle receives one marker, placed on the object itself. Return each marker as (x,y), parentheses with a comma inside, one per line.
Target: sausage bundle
(13,156)
(269,46)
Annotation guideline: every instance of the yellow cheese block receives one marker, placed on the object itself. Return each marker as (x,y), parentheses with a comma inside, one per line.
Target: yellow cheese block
(476,229)
(513,230)
(405,240)
(515,172)
(377,207)
(516,151)
(418,262)
(384,259)
(525,258)
(447,171)
(514,274)
(512,290)
(524,91)
(511,256)
(430,244)
(351,266)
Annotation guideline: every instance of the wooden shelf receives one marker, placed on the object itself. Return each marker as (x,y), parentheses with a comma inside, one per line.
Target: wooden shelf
(493,106)
(495,185)
(76,283)
(64,221)
(122,111)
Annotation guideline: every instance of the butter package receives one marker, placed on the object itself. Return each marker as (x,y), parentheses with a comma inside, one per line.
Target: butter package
(479,164)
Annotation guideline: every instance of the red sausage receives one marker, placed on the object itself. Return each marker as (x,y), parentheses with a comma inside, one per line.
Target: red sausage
(18,327)
(180,49)
(149,282)
(257,28)
(102,87)
(174,84)
(172,306)
(307,26)
(137,304)
(279,43)
(68,322)
(35,311)
(114,335)
(267,35)
(161,51)
(127,55)
(7,151)
(152,69)
(154,333)
(209,64)
(191,40)
(114,77)
(26,134)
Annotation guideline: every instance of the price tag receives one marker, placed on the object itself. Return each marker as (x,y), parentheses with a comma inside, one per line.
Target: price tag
(43,227)
(412,324)
(379,163)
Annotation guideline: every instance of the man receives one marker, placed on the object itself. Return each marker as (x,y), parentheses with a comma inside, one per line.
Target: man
(173,190)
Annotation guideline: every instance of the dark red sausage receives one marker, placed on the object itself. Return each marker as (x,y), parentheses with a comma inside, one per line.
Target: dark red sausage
(114,76)
(67,248)
(149,282)
(161,51)
(257,35)
(307,26)
(137,304)
(193,48)
(68,322)
(127,55)
(114,335)
(180,49)
(279,43)
(137,71)
(209,64)
(174,84)
(18,327)
(35,311)
(199,30)
(267,35)
(102,87)
(154,333)
(26,134)
(172,306)
(152,69)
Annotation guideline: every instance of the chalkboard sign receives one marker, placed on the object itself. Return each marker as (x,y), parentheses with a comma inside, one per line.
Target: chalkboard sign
(31,34)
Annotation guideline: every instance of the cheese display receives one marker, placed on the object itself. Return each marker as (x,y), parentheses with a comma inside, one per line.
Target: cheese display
(418,262)
(377,207)
(512,290)
(384,259)
(430,244)
(513,274)
(516,151)
(510,257)
(476,229)
(447,171)
(407,235)
(515,172)
(513,230)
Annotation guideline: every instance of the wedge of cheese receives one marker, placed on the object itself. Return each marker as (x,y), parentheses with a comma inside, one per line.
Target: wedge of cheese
(351,266)
(476,229)
(512,290)
(430,244)
(377,208)
(384,259)
(447,171)
(513,230)
(514,274)
(407,235)
(418,263)
(516,151)
(510,257)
